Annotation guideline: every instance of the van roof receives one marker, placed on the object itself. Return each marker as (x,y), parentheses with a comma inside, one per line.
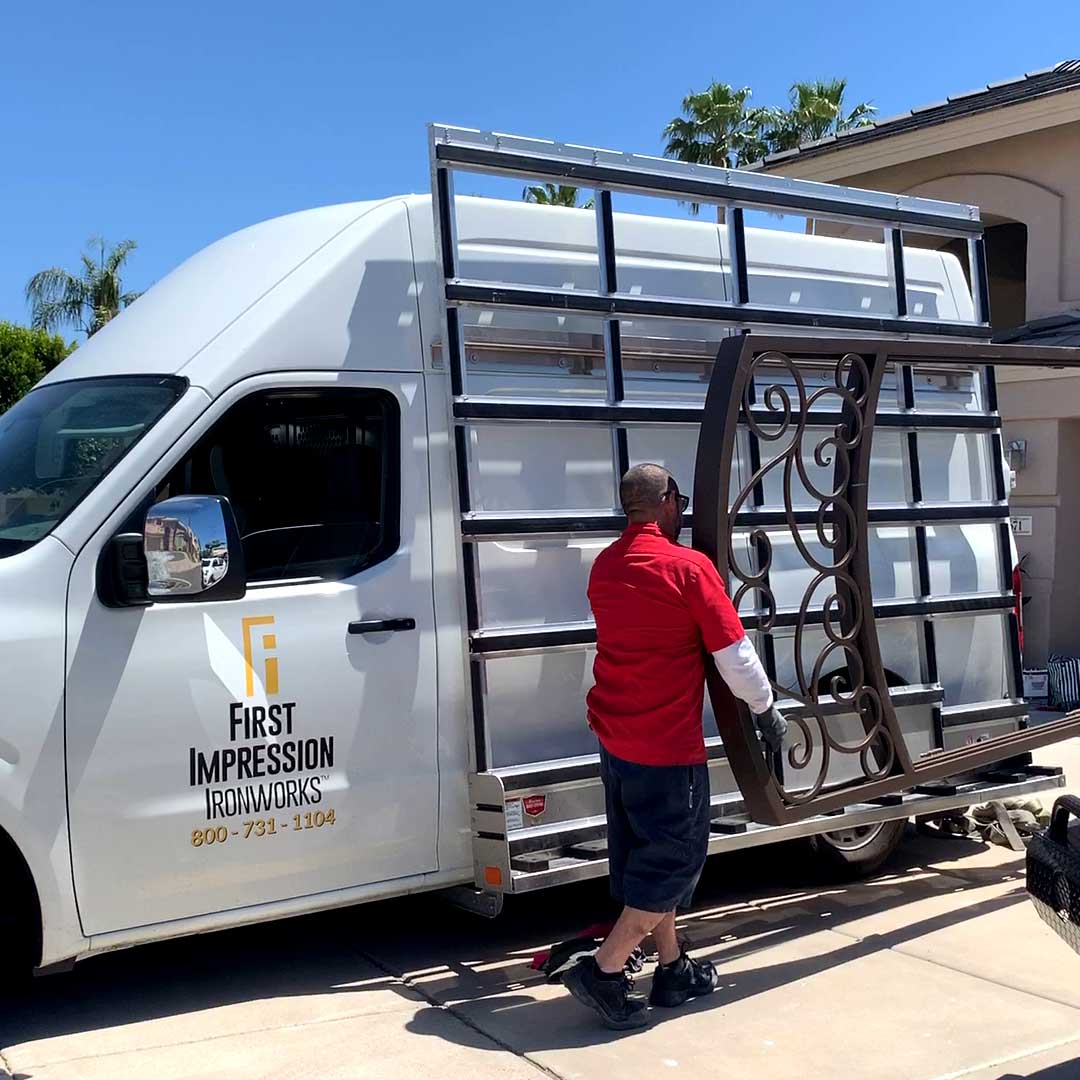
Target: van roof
(310,265)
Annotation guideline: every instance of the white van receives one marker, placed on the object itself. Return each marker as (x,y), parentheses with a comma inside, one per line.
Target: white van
(233,629)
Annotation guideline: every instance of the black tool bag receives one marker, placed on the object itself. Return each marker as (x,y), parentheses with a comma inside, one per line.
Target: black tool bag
(1053,872)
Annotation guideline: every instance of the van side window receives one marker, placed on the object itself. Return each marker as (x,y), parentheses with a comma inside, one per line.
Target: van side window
(312,476)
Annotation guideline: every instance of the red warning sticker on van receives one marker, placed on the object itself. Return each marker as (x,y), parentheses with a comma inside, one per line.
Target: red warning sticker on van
(534,804)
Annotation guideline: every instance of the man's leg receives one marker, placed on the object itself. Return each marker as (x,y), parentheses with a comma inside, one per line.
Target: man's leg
(598,981)
(678,977)
(605,989)
(632,927)
(667,944)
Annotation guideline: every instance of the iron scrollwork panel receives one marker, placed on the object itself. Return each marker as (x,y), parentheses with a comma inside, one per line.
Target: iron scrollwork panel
(766,390)
(779,413)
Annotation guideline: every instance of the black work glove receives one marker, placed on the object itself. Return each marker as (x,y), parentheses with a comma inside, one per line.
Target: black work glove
(772,727)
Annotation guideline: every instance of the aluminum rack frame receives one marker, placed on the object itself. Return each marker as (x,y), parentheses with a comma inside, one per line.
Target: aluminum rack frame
(459,149)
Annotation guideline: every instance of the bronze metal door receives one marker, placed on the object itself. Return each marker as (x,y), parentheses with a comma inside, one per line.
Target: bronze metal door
(761,391)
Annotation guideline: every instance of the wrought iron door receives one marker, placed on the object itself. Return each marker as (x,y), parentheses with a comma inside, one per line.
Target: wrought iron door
(760,391)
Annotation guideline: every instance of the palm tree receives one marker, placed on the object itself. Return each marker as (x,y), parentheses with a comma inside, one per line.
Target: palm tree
(716,128)
(86,302)
(816,110)
(555,195)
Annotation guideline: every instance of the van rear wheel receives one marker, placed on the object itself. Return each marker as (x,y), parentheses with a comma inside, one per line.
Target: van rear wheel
(857,851)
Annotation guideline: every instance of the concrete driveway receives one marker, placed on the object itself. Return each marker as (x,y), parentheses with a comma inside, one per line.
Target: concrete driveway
(937,969)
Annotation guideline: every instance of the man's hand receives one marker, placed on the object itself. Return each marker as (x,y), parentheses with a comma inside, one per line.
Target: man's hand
(773,727)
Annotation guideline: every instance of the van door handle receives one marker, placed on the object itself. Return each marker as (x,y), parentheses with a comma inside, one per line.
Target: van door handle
(381,626)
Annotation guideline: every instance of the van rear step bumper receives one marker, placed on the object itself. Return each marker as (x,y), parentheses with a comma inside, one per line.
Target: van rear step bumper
(523,857)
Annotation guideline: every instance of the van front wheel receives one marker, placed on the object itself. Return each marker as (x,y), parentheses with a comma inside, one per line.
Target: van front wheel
(859,850)
(19,931)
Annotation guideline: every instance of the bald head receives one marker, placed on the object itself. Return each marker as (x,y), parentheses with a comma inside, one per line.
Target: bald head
(641,491)
(648,493)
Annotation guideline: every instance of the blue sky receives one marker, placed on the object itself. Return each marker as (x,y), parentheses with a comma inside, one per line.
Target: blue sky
(174,124)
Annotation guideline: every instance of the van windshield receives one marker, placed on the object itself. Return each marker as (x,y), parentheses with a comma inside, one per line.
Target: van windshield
(60,440)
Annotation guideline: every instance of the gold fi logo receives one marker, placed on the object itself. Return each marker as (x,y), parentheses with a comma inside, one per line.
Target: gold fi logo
(268,643)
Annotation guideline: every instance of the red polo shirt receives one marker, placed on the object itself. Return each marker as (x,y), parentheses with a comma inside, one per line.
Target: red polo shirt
(658,607)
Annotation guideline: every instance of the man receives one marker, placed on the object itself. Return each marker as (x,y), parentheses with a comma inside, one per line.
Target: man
(659,607)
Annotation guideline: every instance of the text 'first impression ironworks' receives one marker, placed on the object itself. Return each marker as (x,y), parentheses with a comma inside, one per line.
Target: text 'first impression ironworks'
(286,774)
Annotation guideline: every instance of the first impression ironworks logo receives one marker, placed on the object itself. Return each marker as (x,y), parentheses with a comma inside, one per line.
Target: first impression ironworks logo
(270,664)
(263,743)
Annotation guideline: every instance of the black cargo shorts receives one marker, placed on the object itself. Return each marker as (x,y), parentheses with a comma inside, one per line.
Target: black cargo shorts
(658,831)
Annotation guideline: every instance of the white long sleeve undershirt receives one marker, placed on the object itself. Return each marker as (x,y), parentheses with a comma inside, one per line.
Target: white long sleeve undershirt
(741,669)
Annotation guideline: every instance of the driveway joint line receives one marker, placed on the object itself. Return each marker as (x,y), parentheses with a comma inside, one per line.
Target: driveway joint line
(988,979)
(900,951)
(434,1002)
(1008,1059)
(195,1042)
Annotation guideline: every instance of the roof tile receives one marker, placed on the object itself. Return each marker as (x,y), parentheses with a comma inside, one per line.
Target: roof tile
(967,94)
(927,108)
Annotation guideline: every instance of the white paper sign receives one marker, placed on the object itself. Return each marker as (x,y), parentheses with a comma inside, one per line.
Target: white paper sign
(515,816)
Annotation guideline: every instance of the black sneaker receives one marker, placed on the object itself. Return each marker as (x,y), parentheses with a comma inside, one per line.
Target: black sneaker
(672,984)
(609,997)
(560,958)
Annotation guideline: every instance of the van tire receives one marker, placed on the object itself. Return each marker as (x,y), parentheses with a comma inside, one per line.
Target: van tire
(20,922)
(16,961)
(848,854)
(860,856)
(824,683)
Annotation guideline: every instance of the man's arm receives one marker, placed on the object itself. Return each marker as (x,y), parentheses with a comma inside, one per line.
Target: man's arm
(724,637)
(733,652)
(741,669)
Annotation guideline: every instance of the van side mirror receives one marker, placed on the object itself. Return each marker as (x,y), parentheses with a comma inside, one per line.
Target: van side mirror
(189,549)
(193,551)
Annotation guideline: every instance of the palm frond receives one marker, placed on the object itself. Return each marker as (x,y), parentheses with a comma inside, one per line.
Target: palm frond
(860,116)
(118,254)
(50,315)
(553,195)
(97,242)
(49,284)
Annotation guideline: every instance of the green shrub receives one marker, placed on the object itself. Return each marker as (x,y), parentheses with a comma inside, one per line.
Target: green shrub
(25,357)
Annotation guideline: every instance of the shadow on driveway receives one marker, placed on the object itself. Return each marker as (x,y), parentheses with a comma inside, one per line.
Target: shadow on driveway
(479,969)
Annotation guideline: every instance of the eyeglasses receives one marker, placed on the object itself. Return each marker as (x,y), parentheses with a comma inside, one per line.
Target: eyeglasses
(681,501)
